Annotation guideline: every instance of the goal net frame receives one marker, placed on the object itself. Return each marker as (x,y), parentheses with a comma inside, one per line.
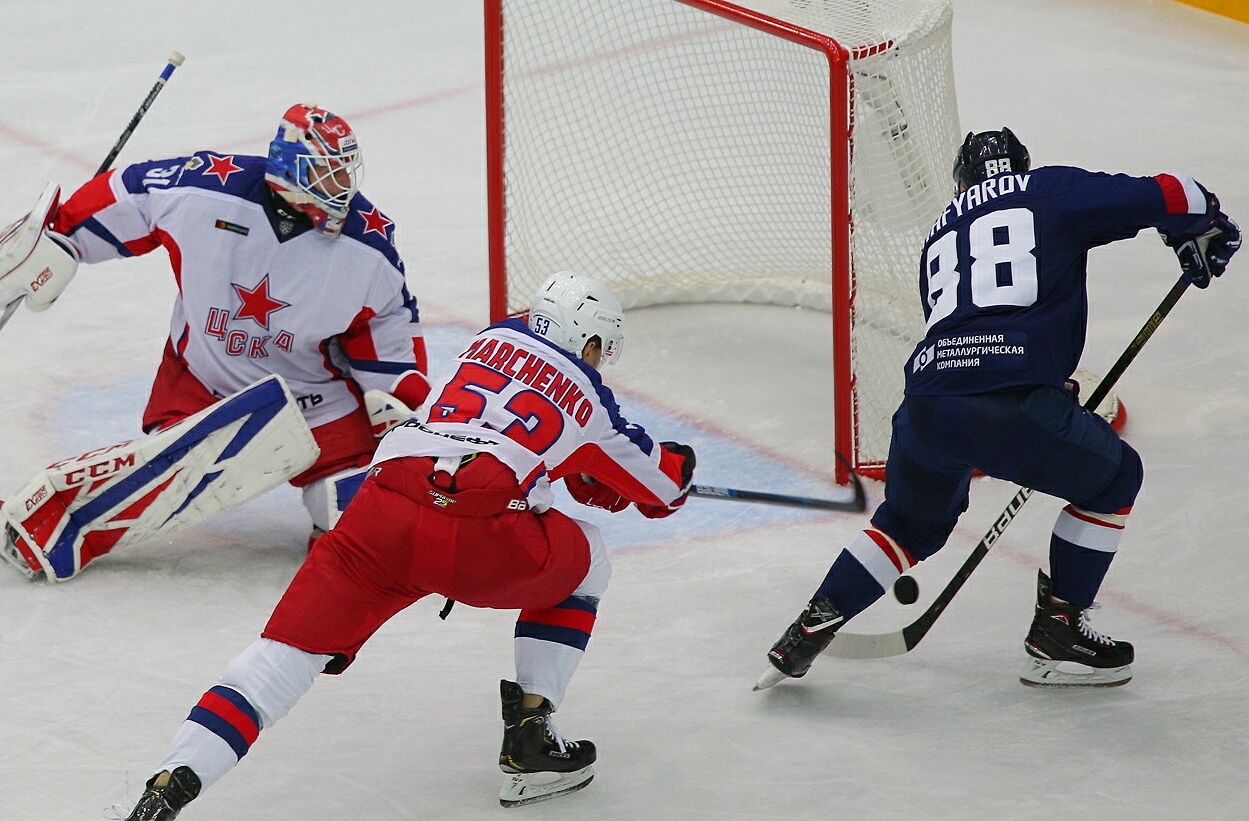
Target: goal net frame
(508,297)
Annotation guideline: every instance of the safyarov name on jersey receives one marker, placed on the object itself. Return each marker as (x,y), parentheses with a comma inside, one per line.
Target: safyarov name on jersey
(993,350)
(980,193)
(534,371)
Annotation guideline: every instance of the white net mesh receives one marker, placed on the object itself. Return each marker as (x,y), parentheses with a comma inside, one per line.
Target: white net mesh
(683,156)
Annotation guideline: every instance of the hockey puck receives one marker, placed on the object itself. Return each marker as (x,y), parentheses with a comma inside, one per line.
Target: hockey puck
(906,590)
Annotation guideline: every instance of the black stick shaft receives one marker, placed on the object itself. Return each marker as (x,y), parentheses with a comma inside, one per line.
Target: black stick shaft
(887,644)
(856,505)
(916,631)
(175,60)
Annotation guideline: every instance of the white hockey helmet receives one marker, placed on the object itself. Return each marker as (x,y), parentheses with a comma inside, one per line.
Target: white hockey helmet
(570,308)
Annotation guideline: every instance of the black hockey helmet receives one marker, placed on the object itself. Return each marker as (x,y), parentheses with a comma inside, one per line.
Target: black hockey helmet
(989,153)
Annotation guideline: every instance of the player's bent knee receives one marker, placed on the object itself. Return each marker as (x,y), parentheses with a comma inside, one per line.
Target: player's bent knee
(594,585)
(273,676)
(1122,490)
(920,539)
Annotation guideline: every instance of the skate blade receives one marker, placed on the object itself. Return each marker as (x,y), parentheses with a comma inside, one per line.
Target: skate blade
(1045,673)
(527,788)
(770,678)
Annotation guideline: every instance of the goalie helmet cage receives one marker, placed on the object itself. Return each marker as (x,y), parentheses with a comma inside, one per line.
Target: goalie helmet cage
(792,152)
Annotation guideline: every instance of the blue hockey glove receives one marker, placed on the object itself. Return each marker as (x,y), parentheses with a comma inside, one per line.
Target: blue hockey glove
(1206,255)
(1224,240)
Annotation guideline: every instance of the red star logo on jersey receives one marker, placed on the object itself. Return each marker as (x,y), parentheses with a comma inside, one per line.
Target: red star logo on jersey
(257,304)
(376,221)
(222,167)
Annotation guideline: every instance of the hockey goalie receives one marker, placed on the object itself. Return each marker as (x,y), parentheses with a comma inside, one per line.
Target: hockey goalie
(294,342)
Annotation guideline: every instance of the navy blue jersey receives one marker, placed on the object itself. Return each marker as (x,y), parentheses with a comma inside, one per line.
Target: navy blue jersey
(1002,274)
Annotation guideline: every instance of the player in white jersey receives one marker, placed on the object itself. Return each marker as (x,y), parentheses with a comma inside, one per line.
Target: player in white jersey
(458,503)
(283,268)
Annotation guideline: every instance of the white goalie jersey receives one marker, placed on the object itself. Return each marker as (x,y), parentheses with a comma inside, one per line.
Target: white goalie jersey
(321,312)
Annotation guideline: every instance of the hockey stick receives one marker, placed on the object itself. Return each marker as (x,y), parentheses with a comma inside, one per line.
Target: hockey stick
(856,505)
(175,59)
(881,645)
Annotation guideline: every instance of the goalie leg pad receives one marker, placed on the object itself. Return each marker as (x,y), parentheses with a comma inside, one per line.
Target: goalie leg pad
(223,456)
(328,497)
(18,555)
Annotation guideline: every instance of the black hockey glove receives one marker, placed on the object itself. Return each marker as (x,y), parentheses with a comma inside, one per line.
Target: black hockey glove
(1206,255)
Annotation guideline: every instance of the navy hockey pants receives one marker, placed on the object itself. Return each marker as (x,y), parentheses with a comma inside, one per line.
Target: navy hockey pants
(1037,437)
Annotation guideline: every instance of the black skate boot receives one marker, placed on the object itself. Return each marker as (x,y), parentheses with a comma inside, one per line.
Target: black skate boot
(805,639)
(542,763)
(166,795)
(1066,652)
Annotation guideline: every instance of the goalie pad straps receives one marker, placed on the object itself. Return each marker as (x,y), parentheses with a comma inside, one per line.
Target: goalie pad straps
(223,456)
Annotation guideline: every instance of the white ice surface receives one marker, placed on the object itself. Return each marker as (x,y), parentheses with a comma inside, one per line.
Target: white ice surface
(97,674)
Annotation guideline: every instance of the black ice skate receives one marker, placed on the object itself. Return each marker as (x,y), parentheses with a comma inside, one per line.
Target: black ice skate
(542,764)
(166,795)
(1066,652)
(805,639)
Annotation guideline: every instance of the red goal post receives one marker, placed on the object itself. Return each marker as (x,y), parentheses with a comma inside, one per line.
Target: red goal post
(792,152)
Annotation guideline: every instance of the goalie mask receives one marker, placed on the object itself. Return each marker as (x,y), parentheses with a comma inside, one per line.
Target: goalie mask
(986,154)
(570,309)
(315,165)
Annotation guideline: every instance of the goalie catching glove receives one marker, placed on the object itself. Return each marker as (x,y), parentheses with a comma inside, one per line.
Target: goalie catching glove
(36,263)
(1206,255)
(675,459)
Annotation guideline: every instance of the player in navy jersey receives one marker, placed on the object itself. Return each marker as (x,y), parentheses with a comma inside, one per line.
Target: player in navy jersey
(458,503)
(1002,283)
(282,267)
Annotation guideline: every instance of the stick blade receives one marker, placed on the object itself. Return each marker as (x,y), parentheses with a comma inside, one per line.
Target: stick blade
(868,645)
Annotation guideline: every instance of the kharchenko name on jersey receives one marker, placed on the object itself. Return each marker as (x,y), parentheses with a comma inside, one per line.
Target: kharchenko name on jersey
(539,410)
(1002,274)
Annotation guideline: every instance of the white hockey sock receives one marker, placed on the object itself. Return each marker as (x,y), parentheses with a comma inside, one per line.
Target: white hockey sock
(258,688)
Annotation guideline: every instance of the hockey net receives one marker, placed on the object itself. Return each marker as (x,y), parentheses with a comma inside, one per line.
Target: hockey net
(793,152)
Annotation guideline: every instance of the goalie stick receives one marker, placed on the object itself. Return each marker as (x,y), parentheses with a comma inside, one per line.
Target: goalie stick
(172,62)
(882,645)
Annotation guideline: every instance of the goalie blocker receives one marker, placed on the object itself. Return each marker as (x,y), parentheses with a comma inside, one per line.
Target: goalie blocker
(227,454)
